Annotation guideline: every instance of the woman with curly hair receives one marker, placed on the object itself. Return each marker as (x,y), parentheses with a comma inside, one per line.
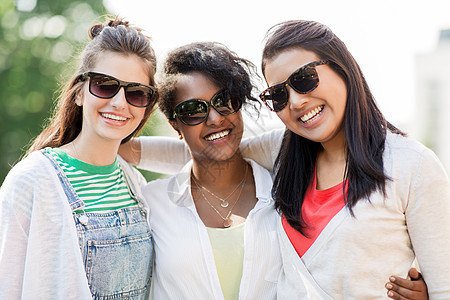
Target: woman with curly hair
(213,223)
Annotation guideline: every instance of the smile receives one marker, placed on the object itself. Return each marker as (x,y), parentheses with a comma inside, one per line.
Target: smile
(312,115)
(218,135)
(113,117)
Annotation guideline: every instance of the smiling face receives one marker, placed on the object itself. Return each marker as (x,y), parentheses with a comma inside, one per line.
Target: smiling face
(218,137)
(317,115)
(112,120)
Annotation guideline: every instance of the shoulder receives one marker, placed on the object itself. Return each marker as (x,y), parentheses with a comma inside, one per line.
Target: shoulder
(32,178)
(173,187)
(260,173)
(399,142)
(408,155)
(32,168)
(131,171)
(404,148)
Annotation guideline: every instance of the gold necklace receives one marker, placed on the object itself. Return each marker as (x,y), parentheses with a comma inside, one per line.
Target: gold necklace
(227,222)
(224,203)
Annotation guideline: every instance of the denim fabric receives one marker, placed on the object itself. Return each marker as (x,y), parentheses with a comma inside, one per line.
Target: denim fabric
(117,247)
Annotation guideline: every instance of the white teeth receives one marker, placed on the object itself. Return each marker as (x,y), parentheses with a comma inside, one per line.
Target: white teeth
(218,135)
(311,115)
(114,117)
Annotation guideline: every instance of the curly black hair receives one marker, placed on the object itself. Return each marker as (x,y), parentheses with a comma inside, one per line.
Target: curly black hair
(214,60)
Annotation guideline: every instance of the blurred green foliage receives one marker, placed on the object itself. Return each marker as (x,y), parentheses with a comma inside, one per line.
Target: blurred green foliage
(39,43)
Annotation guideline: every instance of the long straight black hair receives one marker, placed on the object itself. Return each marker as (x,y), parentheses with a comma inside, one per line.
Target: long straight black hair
(364,125)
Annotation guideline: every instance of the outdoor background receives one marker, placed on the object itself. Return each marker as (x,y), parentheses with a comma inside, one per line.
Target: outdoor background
(40,40)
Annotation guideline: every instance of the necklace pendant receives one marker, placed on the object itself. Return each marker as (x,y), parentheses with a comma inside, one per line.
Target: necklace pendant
(227,222)
(224,204)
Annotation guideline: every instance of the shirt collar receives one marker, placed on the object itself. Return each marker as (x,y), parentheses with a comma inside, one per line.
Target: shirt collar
(180,186)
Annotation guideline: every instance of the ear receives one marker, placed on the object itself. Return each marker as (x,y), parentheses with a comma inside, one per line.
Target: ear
(79,98)
(174,125)
(79,101)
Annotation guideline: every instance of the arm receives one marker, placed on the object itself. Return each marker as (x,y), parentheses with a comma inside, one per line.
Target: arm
(263,148)
(427,212)
(414,288)
(40,255)
(14,227)
(168,155)
(159,154)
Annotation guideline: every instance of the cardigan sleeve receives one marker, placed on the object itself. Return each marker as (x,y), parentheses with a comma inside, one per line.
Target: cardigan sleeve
(263,148)
(168,155)
(15,215)
(428,220)
(161,154)
(40,255)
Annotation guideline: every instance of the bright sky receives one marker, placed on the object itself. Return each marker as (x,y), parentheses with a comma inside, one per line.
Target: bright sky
(383,35)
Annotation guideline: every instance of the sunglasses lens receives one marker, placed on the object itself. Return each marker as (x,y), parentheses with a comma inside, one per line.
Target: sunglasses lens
(103,86)
(224,104)
(191,112)
(276,97)
(138,95)
(304,80)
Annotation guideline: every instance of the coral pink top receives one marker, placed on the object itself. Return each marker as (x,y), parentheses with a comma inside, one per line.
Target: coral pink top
(319,207)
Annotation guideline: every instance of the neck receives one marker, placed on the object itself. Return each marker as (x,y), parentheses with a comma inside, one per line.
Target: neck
(336,149)
(219,175)
(331,164)
(99,153)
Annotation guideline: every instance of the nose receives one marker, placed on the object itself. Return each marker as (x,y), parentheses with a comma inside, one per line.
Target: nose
(296,101)
(214,118)
(118,101)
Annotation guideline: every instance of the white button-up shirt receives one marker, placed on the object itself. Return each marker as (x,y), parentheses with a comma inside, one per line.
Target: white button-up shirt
(184,260)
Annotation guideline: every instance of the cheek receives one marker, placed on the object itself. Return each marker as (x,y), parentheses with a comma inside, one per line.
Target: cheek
(238,121)
(283,114)
(138,113)
(343,100)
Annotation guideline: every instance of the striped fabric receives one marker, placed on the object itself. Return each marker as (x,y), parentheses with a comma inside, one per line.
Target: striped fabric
(102,188)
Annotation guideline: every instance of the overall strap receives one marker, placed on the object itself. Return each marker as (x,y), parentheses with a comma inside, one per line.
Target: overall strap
(74,201)
(129,180)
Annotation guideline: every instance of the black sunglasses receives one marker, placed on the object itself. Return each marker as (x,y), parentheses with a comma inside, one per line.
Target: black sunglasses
(195,111)
(106,86)
(303,80)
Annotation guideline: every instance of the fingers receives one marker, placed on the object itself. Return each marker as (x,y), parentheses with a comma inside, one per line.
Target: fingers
(414,274)
(394,295)
(397,292)
(399,288)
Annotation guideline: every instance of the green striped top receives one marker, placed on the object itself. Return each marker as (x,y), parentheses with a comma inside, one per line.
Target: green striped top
(101,188)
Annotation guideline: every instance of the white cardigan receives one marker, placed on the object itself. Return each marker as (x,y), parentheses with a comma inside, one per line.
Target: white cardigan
(353,257)
(40,257)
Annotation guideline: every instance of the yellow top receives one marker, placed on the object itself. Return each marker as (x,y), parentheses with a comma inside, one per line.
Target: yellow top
(228,249)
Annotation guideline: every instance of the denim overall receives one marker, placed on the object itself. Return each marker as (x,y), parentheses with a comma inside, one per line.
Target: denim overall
(116,247)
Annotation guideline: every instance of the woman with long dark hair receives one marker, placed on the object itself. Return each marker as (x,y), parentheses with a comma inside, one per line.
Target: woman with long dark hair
(359,200)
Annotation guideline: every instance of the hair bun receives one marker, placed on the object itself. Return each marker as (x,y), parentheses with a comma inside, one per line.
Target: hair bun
(118,21)
(96,29)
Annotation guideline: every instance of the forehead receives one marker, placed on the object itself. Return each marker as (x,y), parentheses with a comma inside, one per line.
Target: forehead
(285,63)
(129,68)
(195,85)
